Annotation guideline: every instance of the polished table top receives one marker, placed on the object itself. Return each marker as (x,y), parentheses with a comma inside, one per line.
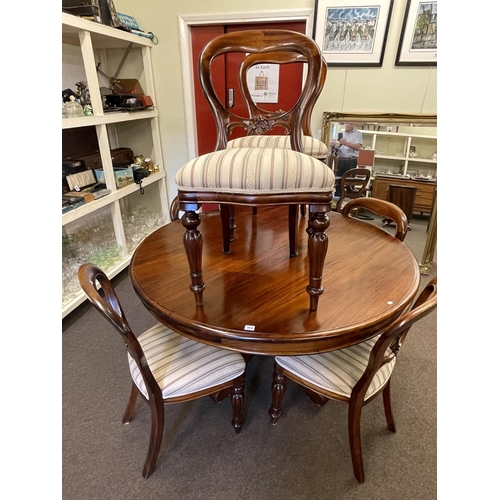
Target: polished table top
(255,299)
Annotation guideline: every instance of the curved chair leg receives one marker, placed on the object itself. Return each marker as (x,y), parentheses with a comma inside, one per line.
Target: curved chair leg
(316,398)
(193,244)
(303,210)
(293,222)
(354,425)
(157,424)
(237,402)
(317,247)
(388,408)
(278,388)
(127,416)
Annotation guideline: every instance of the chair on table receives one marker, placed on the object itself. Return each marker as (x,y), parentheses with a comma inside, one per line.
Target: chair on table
(166,367)
(385,209)
(355,375)
(353,185)
(255,176)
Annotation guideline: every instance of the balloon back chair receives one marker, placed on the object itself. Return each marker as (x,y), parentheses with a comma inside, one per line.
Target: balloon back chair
(386,209)
(355,375)
(166,367)
(353,184)
(256,176)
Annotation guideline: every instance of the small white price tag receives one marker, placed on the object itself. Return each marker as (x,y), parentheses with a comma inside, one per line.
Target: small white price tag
(250,328)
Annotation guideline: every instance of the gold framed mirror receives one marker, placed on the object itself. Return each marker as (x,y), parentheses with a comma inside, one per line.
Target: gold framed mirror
(403,151)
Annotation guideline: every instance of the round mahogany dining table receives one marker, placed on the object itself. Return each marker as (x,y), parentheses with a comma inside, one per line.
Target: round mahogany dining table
(255,299)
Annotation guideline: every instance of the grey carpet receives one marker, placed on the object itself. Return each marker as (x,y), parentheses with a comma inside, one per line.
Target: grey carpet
(305,456)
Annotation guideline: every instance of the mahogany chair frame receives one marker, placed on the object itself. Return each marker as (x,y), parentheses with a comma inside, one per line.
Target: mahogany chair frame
(383,208)
(258,42)
(91,278)
(384,350)
(353,184)
(256,113)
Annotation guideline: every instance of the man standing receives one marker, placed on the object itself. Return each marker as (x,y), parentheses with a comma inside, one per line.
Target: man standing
(348,151)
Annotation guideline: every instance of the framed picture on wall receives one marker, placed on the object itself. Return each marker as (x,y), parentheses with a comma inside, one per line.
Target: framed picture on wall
(352,32)
(418,41)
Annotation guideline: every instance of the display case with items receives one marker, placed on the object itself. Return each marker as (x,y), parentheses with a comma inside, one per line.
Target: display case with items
(114,183)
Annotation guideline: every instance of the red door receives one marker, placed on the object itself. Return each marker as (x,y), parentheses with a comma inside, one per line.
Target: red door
(226,77)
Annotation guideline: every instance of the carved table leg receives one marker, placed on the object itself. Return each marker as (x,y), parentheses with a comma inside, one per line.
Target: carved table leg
(278,391)
(293,222)
(317,247)
(193,244)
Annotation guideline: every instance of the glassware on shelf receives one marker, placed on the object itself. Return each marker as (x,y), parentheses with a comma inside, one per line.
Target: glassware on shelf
(72,108)
(138,224)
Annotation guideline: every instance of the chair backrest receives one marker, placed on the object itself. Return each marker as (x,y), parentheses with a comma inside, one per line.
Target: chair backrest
(353,185)
(264,42)
(389,343)
(107,303)
(278,58)
(383,208)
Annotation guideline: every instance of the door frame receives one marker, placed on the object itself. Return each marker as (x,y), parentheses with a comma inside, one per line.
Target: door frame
(186,21)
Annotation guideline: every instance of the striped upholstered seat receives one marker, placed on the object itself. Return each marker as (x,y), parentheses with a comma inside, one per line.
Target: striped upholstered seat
(182,366)
(338,371)
(310,145)
(255,171)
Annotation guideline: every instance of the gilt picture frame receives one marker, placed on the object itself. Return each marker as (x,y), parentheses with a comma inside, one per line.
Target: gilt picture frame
(352,32)
(418,40)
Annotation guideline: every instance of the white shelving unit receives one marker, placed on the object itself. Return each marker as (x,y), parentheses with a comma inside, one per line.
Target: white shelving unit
(393,150)
(107,231)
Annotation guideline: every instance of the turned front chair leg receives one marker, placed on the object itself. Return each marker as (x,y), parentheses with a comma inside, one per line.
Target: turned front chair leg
(278,391)
(193,244)
(317,247)
(238,402)
(293,222)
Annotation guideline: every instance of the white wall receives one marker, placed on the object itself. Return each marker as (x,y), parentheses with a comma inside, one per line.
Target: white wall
(385,89)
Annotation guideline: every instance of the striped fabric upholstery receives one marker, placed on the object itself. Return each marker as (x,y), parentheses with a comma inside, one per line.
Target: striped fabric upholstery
(182,366)
(255,171)
(311,146)
(338,371)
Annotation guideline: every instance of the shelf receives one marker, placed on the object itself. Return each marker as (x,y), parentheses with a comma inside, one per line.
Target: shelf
(110,198)
(73,303)
(103,37)
(108,118)
(405,158)
(397,134)
(107,231)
